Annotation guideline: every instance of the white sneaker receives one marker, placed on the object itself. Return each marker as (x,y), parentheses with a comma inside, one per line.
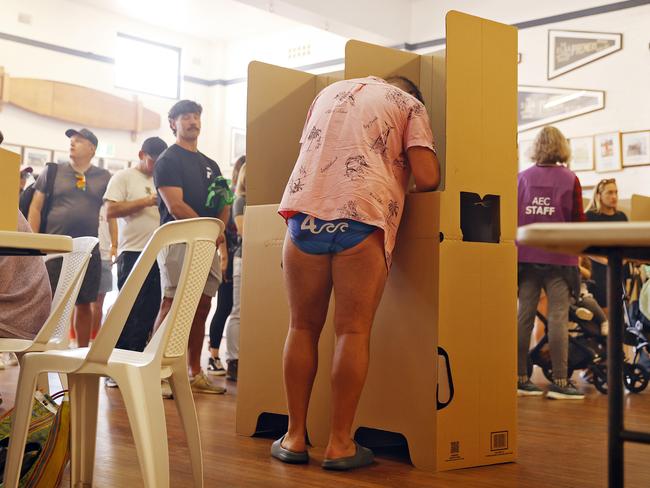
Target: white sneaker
(166,388)
(10,358)
(110,382)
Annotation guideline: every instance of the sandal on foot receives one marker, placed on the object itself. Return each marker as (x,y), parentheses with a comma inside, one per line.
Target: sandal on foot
(287,456)
(362,457)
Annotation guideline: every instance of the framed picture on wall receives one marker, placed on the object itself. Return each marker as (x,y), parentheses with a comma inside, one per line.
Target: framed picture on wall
(569,50)
(525,154)
(636,148)
(36,158)
(543,105)
(582,153)
(607,149)
(237,144)
(61,157)
(13,148)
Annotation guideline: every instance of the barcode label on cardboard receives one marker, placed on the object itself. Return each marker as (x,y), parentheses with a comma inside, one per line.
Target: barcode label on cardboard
(454,448)
(499,441)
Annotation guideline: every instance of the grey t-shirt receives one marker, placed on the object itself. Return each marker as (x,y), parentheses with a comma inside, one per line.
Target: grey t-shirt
(238,208)
(75,210)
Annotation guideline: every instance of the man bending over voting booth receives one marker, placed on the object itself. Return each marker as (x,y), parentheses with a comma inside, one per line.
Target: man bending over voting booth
(442,367)
(343,204)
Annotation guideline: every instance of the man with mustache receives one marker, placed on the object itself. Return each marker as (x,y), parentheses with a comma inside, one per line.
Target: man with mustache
(182,176)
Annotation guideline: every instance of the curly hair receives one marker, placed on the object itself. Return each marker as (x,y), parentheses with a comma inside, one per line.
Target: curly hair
(551,147)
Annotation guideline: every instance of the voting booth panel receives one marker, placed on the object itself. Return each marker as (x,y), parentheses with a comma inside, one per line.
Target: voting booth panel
(639,208)
(10,170)
(443,348)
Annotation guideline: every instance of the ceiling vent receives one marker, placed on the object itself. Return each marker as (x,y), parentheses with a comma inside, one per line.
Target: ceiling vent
(300,51)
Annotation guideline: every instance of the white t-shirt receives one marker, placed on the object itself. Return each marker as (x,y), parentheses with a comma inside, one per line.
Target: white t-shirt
(104,235)
(134,230)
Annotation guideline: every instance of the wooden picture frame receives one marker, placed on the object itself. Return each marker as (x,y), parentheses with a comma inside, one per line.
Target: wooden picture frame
(582,153)
(607,152)
(635,148)
(543,105)
(569,50)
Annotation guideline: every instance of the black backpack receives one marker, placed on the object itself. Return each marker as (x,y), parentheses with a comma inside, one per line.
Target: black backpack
(28,194)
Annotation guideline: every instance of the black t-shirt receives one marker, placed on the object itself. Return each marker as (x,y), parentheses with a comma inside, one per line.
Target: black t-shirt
(191,171)
(598,217)
(599,271)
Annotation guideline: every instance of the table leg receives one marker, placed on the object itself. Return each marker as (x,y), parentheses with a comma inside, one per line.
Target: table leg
(616,465)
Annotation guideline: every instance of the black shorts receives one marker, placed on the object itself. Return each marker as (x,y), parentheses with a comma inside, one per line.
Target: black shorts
(89,287)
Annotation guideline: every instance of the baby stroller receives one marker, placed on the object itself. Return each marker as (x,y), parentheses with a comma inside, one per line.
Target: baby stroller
(637,335)
(587,349)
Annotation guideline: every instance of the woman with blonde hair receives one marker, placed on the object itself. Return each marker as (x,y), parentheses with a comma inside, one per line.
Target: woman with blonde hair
(548,192)
(603,208)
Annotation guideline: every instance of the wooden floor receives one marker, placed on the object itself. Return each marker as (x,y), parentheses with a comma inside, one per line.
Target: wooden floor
(561,444)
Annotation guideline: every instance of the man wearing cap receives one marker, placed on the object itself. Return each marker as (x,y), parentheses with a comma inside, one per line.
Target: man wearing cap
(131,198)
(183,178)
(77,196)
(25,171)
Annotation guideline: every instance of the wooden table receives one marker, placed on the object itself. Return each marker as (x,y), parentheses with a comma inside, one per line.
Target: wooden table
(29,244)
(614,240)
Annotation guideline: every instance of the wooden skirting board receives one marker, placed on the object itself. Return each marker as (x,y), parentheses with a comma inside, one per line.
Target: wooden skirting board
(78,104)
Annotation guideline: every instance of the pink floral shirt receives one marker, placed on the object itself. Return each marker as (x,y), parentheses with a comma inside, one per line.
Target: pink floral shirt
(352,162)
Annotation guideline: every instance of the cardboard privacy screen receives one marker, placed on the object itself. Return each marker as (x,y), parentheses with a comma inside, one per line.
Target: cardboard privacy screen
(10,171)
(443,348)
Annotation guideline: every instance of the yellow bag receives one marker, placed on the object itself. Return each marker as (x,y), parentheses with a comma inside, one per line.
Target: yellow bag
(48,441)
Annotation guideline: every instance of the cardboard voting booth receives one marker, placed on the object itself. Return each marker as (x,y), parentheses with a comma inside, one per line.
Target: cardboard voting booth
(639,208)
(9,182)
(443,348)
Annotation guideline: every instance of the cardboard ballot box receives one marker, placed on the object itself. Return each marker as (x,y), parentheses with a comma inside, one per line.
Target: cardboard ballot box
(443,347)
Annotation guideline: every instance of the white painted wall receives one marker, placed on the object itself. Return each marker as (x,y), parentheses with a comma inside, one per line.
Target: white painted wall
(88,29)
(428,16)
(624,76)
(272,49)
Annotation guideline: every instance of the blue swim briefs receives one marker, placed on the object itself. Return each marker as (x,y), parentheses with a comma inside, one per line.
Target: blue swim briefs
(316,236)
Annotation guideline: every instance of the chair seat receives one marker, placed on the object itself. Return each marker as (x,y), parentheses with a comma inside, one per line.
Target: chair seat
(72,360)
(14,345)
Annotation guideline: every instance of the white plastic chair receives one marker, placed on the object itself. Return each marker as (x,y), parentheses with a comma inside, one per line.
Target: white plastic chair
(55,332)
(137,373)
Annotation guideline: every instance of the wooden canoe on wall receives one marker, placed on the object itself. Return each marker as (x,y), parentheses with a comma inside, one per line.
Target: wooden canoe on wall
(78,104)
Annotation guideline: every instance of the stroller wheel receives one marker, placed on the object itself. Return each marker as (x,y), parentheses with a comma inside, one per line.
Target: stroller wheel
(635,378)
(548,373)
(600,380)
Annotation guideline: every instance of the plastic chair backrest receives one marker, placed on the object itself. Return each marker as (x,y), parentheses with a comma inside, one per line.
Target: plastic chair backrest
(199,235)
(73,270)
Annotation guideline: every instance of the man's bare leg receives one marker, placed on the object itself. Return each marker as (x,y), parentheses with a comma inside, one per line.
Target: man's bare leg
(359,275)
(309,283)
(83,317)
(197,334)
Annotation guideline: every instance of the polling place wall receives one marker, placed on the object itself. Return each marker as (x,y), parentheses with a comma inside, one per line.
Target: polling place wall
(450,298)
(9,181)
